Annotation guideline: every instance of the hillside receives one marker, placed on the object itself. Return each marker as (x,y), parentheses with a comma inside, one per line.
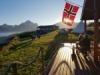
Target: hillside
(77,27)
(26,51)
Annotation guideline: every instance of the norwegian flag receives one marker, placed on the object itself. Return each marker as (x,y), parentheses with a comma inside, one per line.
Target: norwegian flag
(69,14)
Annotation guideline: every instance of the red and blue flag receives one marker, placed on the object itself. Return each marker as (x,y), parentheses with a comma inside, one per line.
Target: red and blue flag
(69,14)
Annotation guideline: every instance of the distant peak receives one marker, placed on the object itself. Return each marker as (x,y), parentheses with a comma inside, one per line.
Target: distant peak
(28,21)
(5,24)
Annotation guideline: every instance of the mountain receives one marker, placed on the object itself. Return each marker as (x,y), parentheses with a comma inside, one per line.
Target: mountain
(78,27)
(23,27)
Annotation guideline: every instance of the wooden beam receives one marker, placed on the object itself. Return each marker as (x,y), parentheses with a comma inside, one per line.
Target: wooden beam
(96,49)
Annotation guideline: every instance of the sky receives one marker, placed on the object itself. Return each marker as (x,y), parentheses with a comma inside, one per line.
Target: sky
(43,12)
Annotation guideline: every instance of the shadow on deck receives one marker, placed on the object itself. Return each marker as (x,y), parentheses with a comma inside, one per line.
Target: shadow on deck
(67,63)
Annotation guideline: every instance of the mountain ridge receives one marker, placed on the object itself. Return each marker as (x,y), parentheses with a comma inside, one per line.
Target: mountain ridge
(23,27)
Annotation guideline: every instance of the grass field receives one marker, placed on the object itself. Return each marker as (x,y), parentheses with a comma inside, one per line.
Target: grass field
(25,51)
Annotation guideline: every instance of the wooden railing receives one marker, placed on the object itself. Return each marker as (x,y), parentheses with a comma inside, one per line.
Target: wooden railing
(16,65)
(99,52)
(52,58)
(92,49)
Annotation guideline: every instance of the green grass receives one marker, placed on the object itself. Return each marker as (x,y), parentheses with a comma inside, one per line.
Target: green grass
(25,51)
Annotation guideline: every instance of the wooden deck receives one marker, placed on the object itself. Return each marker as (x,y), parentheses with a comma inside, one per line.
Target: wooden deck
(66,63)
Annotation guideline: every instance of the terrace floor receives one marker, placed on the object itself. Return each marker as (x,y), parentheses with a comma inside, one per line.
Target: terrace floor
(67,63)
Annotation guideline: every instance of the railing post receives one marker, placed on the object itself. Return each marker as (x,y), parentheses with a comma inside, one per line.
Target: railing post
(14,68)
(1,47)
(42,58)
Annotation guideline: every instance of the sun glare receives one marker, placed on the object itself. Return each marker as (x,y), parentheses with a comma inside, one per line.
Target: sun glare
(67,20)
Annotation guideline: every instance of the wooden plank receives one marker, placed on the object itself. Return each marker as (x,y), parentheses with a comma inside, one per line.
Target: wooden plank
(66,64)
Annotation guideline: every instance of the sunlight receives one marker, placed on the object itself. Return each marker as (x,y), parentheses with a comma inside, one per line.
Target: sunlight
(66,63)
(67,20)
(69,44)
(66,50)
(63,60)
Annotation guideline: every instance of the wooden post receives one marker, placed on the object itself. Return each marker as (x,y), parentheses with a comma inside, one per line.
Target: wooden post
(42,58)
(14,68)
(1,47)
(96,54)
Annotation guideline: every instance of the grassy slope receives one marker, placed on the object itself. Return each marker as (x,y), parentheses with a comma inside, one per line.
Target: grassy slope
(24,51)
